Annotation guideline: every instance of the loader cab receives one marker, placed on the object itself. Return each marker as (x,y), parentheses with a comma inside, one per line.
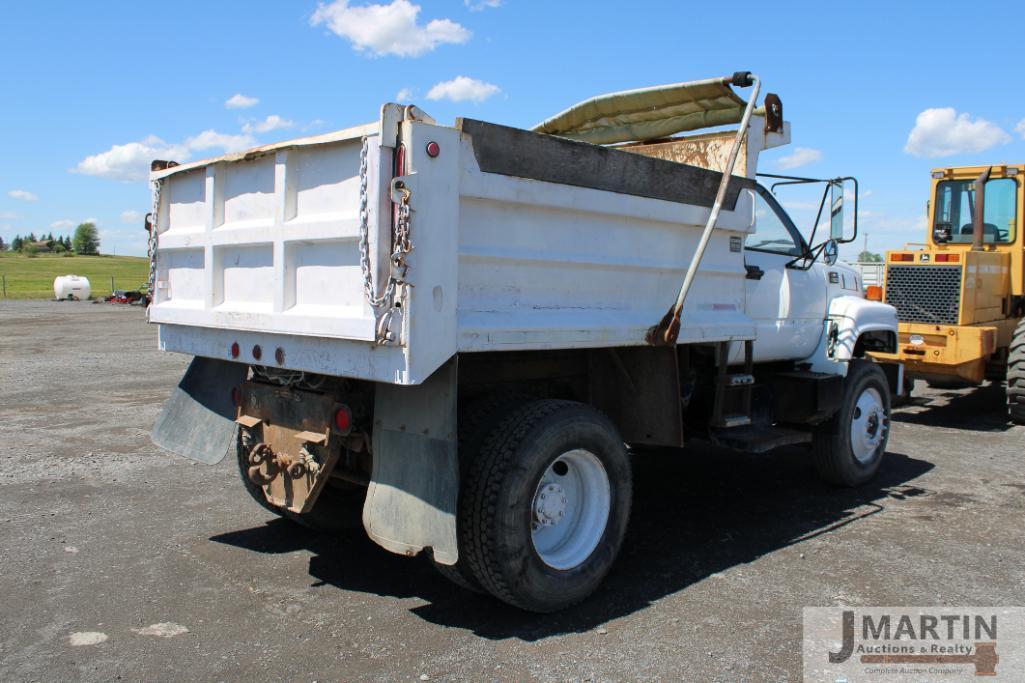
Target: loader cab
(952,206)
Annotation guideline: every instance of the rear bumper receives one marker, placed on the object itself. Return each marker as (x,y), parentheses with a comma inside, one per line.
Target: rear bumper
(947,351)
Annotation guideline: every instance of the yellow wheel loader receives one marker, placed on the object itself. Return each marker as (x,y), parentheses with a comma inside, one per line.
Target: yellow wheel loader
(960,298)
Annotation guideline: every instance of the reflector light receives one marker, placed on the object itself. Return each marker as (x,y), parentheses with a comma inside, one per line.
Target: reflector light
(433,149)
(234,350)
(343,419)
(902,257)
(948,258)
(257,351)
(874,293)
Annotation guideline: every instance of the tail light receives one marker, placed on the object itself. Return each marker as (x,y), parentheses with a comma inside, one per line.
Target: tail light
(343,419)
(874,293)
(948,258)
(235,350)
(902,257)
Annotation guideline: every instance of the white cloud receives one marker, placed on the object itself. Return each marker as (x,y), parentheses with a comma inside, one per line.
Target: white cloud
(211,139)
(404,95)
(272,122)
(7,215)
(801,156)
(23,195)
(131,217)
(240,101)
(461,89)
(131,161)
(1020,129)
(478,5)
(390,29)
(943,132)
(62,224)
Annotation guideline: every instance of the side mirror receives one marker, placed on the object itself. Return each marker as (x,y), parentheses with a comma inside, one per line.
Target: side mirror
(836,211)
(830,252)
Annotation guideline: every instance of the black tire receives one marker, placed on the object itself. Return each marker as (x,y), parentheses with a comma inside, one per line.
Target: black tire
(832,449)
(498,495)
(1016,376)
(338,507)
(476,420)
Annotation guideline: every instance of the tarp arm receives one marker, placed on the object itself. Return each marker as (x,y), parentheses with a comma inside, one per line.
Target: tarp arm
(668,329)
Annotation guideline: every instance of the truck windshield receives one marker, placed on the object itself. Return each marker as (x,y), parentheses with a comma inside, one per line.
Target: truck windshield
(955,204)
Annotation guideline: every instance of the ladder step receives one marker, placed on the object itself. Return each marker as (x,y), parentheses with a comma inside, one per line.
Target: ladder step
(760,440)
(731,421)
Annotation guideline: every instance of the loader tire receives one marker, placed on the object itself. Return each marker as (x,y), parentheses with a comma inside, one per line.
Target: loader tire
(476,420)
(1016,375)
(545,505)
(848,448)
(338,507)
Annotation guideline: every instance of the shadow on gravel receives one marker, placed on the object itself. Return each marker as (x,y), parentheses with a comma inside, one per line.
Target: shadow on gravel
(695,514)
(978,409)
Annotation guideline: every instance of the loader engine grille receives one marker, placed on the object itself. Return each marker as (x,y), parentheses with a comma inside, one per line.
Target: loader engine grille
(924,294)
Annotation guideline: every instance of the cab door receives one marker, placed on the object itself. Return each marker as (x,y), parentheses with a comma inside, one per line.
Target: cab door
(787,304)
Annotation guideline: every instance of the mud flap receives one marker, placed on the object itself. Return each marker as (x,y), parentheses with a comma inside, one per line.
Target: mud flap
(198,421)
(411,502)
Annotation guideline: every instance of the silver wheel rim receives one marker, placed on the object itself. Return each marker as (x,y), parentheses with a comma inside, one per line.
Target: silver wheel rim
(570,509)
(869,425)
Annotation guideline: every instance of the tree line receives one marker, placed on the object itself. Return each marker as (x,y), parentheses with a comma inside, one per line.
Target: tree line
(85,241)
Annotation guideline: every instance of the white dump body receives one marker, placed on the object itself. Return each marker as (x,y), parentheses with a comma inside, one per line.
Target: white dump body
(263,249)
(72,287)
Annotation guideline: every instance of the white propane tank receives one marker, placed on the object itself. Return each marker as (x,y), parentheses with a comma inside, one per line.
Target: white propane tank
(72,287)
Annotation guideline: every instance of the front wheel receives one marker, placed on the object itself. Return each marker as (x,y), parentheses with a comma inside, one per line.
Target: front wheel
(1016,376)
(545,505)
(849,447)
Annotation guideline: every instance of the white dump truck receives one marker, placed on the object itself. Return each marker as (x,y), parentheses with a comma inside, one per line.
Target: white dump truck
(457,334)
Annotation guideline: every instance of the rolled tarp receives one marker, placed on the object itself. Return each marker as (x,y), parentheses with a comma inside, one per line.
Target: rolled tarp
(647,113)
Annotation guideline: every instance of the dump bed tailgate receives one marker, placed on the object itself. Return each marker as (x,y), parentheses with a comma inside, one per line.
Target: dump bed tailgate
(269,241)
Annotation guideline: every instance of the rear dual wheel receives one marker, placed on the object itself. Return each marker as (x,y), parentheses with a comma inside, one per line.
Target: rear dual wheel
(544,504)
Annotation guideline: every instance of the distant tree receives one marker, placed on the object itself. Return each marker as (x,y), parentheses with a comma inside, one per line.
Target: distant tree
(3,245)
(87,239)
(17,243)
(49,238)
(30,249)
(31,237)
(869,257)
(67,242)
(58,247)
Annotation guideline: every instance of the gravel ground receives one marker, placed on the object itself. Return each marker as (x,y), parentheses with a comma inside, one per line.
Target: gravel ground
(121,562)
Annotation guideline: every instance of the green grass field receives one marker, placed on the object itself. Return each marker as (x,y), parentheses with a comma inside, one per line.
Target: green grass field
(32,278)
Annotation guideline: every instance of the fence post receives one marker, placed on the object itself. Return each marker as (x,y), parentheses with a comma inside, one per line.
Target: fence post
(111,284)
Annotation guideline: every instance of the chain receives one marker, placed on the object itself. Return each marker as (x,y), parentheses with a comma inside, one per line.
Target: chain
(151,246)
(401,247)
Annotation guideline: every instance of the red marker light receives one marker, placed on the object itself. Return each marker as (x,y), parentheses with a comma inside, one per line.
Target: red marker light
(343,419)
(433,149)
(234,350)
(257,351)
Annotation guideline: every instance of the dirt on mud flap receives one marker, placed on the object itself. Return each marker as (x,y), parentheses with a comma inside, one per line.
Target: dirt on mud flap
(291,440)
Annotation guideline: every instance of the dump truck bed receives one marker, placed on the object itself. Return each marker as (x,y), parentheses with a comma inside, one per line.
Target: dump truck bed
(519,241)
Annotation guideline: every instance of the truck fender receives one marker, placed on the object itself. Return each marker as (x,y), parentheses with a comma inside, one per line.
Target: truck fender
(851,317)
(414,483)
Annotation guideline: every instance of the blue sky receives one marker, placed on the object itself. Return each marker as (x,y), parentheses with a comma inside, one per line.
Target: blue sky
(882,91)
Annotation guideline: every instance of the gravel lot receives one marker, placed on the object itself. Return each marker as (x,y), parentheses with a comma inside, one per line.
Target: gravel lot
(111,548)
